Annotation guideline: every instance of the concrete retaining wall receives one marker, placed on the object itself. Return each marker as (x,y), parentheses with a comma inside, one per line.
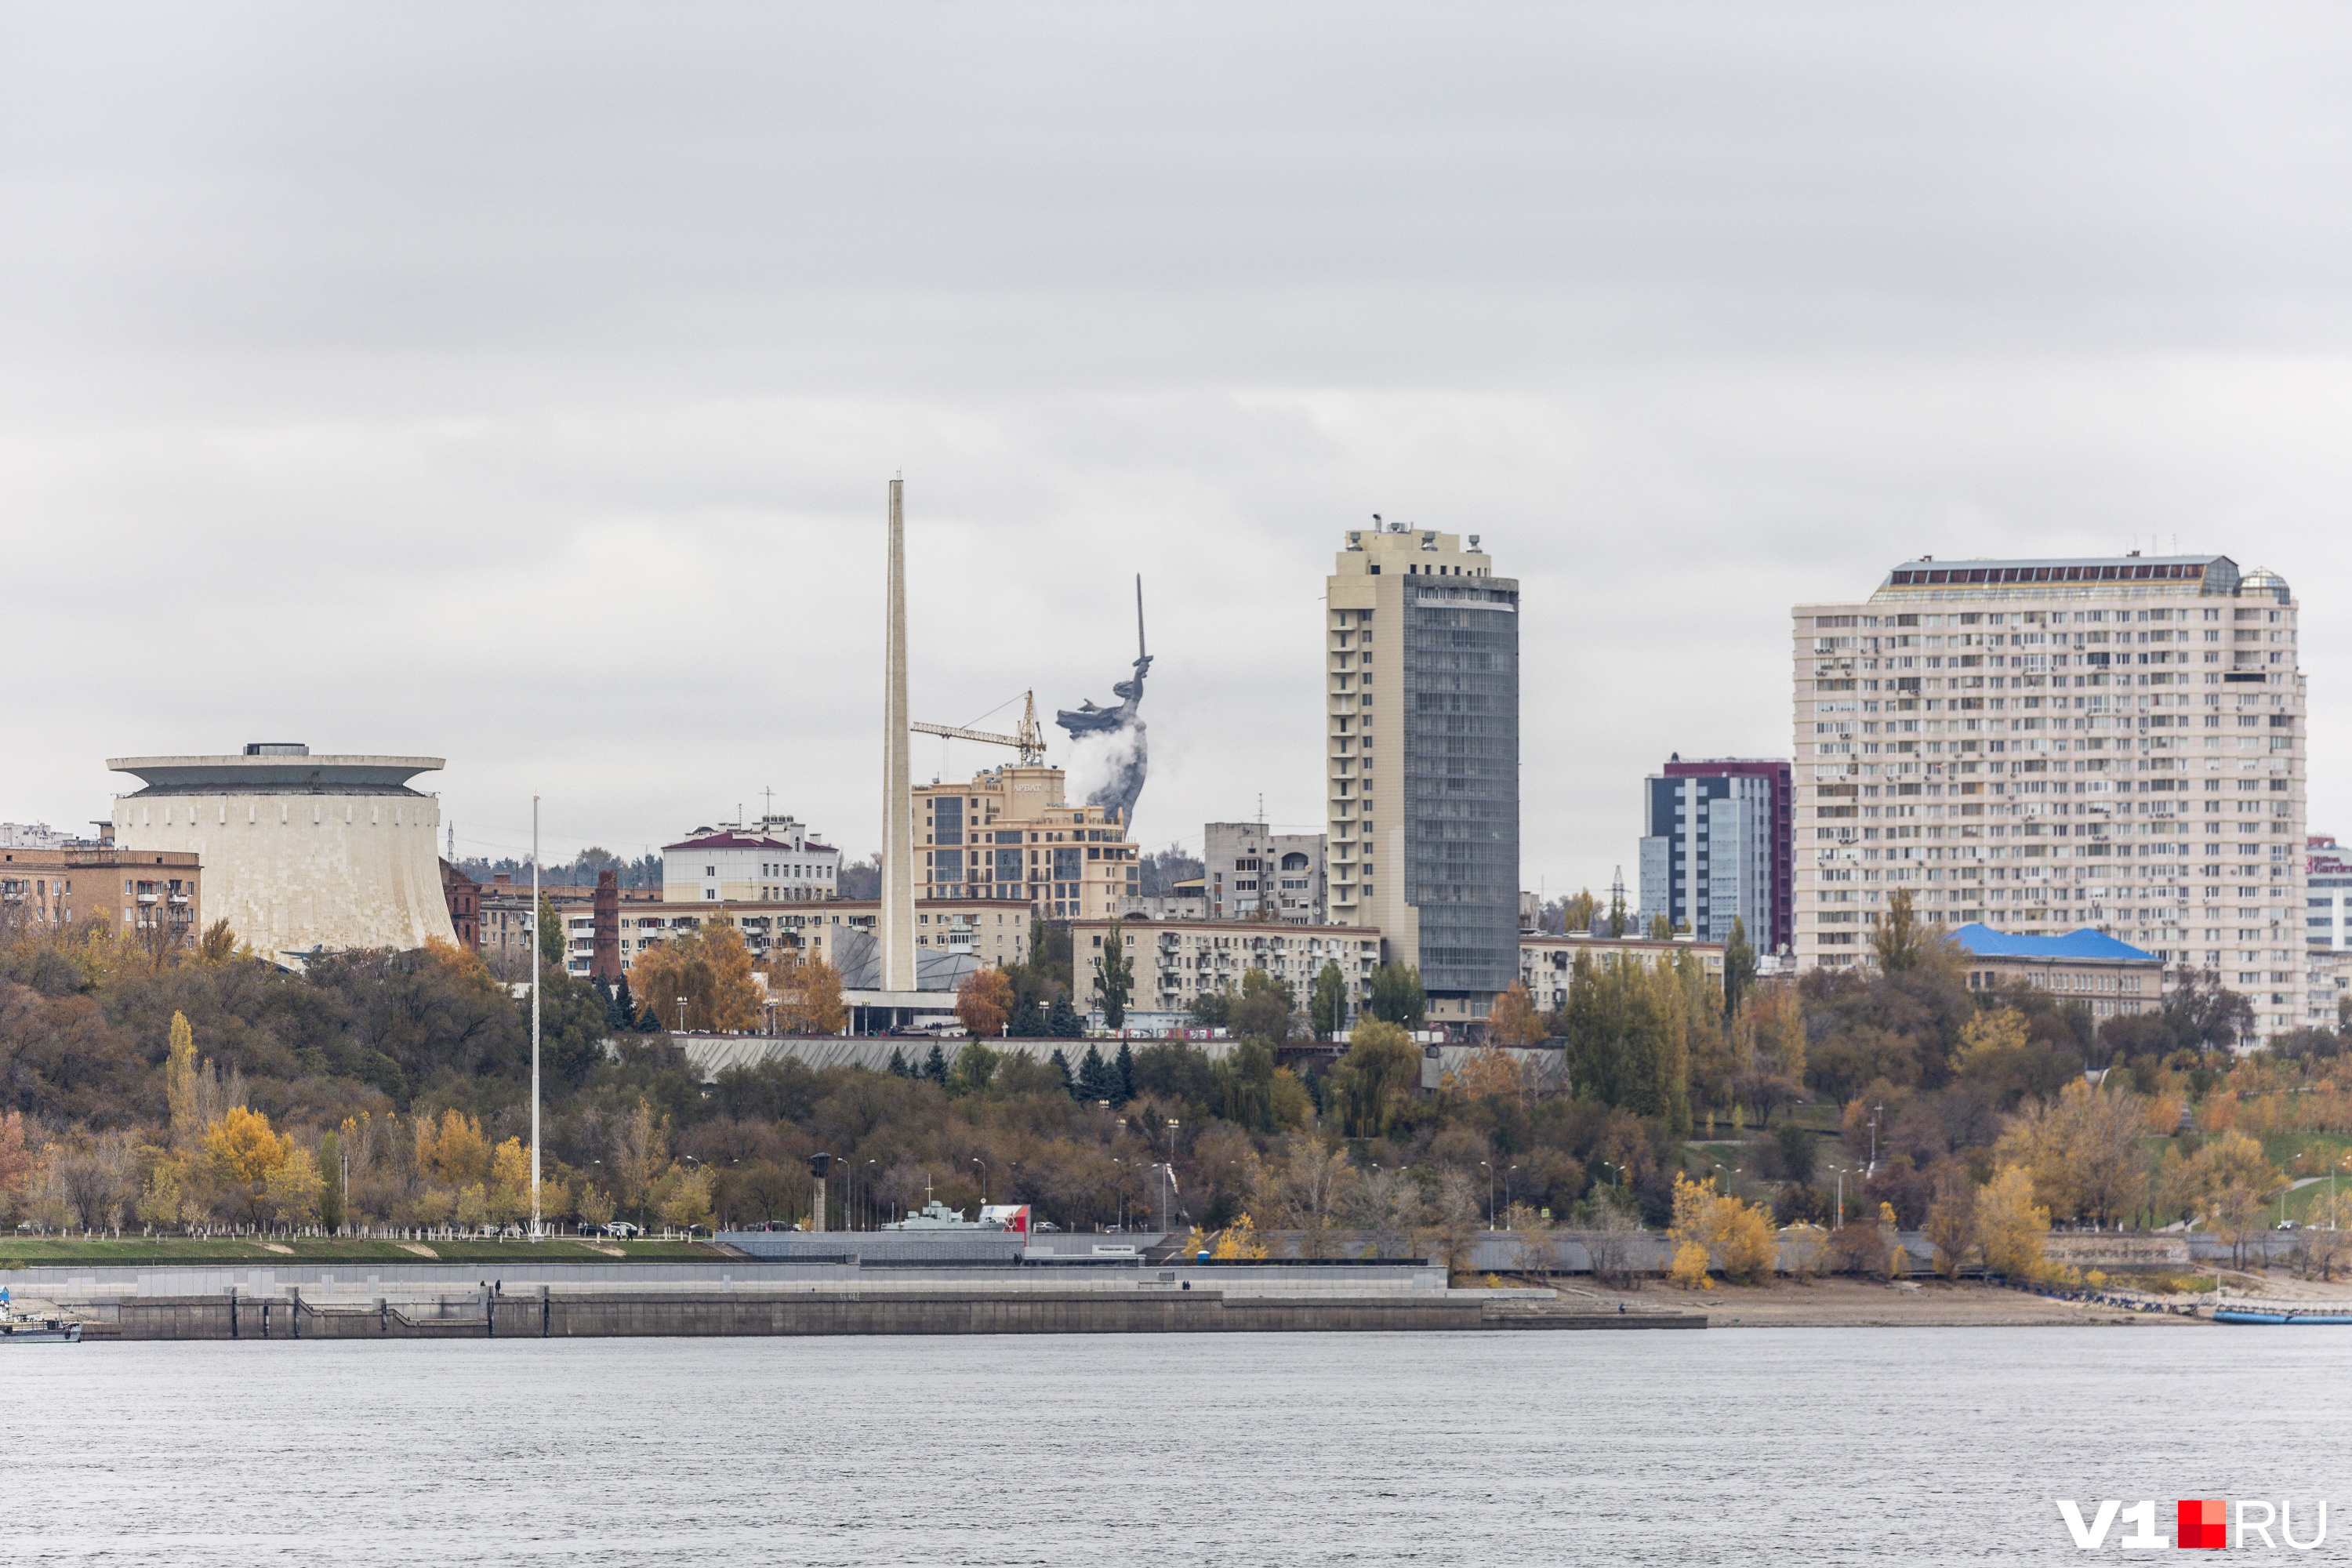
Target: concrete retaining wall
(619,1314)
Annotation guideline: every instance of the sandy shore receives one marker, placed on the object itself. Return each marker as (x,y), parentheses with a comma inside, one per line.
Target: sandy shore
(1859,1303)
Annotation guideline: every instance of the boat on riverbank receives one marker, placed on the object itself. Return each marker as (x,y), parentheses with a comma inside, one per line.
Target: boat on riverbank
(19,1330)
(2257,1316)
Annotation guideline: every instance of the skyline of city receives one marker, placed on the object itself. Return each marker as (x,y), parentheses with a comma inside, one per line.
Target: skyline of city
(968,760)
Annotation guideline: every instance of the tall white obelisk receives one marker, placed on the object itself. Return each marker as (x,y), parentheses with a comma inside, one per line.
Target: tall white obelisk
(897,933)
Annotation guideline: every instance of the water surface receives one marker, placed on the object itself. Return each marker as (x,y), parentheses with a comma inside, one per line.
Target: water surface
(1727,1446)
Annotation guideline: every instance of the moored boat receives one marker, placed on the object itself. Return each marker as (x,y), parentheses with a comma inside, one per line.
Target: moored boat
(21,1330)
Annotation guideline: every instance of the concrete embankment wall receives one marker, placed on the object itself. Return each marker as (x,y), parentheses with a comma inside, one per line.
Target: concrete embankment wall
(620,1314)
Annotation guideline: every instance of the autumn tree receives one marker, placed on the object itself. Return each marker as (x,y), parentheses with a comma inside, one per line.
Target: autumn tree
(1515,1021)
(1717,1228)
(509,1183)
(2081,1149)
(452,1151)
(295,1186)
(684,1198)
(1262,1009)
(985,1002)
(807,994)
(1628,1026)
(243,1152)
(1952,1220)
(2009,1226)
(1374,1083)
(710,969)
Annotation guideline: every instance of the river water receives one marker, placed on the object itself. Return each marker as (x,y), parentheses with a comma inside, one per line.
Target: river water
(1727,1446)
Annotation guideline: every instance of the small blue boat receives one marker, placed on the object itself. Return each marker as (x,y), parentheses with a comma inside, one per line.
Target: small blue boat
(2247,1315)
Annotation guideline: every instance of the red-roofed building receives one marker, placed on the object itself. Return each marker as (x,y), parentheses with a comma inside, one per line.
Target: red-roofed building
(774,860)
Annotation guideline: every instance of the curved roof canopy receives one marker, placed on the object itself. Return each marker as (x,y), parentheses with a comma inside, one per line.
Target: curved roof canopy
(275,774)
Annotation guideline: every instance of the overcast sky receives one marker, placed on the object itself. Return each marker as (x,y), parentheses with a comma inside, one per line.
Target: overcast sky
(520,385)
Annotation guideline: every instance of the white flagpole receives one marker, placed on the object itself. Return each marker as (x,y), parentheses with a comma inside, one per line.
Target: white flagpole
(536,938)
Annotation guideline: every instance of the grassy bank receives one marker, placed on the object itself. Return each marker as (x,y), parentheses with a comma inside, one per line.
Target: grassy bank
(30,1252)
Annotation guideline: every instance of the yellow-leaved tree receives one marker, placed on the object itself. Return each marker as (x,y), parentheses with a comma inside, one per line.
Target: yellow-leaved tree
(708,970)
(2009,1226)
(453,1151)
(807,995)
(510,1187)
(1237,1241)
(1485,1072)
(295,1186)
(1720,1230)
(244,1152)
(1997,1031)
(1515,1021)
(682,1197)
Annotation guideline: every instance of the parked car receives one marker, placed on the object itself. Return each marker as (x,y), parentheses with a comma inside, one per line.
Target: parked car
(1045,1225)
(619,1227)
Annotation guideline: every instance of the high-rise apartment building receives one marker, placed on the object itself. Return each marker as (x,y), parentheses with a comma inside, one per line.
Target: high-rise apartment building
(2047,745)
(1422,653)
(1715,846)
(1009,835)
(2327,929)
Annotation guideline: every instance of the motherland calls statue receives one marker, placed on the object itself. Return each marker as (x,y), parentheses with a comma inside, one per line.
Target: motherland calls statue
(1118,731)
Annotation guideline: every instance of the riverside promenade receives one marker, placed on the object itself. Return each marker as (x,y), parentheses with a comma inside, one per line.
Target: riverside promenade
(742,1297)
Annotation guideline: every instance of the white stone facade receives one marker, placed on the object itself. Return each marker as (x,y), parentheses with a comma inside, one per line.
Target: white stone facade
(299,854)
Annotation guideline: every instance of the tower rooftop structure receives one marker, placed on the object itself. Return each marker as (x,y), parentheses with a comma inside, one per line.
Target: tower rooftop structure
(282,773)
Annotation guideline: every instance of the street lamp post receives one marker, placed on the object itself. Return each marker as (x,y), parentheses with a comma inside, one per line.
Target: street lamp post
(1842,1173)
(1168,1191)
(682,1015)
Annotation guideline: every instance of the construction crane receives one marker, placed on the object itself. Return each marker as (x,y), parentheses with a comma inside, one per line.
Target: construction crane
(1029,739)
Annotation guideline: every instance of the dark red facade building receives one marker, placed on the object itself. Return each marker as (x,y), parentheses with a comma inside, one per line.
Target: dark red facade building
(1781,777)
(464,897)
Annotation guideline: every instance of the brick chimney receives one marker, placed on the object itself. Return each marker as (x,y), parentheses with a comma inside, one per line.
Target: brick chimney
(606,963)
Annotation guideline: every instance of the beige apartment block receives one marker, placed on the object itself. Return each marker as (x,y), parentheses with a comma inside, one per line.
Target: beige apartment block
(1547,959)
(1009,836)
(1175,960)
(2042,746)
(995,933)
(150,895)
(1423,745)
